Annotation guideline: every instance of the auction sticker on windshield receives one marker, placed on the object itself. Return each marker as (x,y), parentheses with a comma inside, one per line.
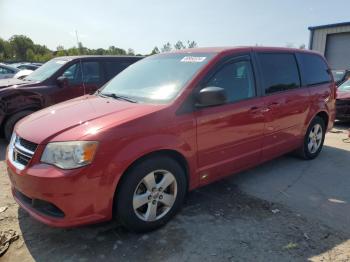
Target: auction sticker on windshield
(193,59)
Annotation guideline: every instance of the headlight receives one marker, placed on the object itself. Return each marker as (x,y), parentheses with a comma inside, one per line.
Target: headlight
(68,155)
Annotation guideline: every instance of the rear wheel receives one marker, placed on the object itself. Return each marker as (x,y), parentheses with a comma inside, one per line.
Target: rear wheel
(11,122)
(150,194)
(314,138)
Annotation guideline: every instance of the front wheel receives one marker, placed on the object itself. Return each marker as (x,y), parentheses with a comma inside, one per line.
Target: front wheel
(150,194)
(314,138)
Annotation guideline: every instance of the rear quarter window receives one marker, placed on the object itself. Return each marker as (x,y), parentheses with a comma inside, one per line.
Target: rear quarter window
(314,69)
(279,72)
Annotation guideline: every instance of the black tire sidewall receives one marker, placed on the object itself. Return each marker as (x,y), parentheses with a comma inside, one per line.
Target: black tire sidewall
(125,191)
(11,122)
(307,153)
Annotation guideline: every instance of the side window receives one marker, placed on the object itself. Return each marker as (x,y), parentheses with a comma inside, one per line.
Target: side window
(91,72)
(315,70)
(237,79)
(114,68)
(73,74)
(279,72)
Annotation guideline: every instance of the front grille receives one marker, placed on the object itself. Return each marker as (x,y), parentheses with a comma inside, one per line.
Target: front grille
(27,144)
(23,159)
(21,151)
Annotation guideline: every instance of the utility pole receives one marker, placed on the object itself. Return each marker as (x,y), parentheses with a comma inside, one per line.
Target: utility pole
(76,34)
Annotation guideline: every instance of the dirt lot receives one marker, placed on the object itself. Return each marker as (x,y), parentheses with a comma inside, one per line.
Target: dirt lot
(226,221)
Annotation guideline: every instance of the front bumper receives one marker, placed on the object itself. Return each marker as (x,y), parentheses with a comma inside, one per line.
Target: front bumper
(60,198)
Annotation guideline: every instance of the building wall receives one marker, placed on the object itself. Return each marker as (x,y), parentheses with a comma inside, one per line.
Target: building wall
(320,36)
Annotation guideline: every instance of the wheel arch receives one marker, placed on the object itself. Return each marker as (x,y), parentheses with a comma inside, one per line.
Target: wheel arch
(324,116)
(32,108)
(171,153)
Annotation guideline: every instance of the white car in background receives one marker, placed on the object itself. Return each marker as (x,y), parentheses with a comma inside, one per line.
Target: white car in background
(22,74)
(7,71)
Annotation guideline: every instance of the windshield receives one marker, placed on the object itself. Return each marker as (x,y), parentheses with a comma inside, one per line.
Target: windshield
(338,75)
(46,70)
(157,79)
(345,86)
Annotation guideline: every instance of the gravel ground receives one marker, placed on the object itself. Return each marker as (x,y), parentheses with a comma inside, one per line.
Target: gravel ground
(217,223)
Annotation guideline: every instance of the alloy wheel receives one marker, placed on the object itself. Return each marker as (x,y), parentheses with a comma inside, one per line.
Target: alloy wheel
(315,138)
(155,195)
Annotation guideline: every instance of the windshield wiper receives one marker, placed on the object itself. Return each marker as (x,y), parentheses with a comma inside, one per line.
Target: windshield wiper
(115,96)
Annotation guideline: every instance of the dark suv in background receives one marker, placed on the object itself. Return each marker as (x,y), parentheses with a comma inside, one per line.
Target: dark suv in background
(58,80)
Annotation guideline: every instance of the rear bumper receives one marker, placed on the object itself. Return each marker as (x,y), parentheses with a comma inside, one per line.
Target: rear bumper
(59,199)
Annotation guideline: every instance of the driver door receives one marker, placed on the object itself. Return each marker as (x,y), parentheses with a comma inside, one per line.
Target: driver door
(74,85)
(230,136)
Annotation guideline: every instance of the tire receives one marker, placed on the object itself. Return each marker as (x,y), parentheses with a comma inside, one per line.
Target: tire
(135,200)
(313,140)
(11,122)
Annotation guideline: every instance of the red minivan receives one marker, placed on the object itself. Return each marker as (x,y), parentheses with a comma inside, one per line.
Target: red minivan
(166,125)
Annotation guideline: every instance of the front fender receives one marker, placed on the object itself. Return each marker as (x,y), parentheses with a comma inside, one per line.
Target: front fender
(13,101)
(117,161)
(136,149)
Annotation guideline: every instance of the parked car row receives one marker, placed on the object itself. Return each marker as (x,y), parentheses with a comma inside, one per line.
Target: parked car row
(163,126)
(7,71)
(17,70)
(342,79)
(343,101)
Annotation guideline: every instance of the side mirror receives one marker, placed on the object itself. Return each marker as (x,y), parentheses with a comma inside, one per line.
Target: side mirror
(211,96)
(62,81)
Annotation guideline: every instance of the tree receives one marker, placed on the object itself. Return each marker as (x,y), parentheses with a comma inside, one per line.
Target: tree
(179,45)
(131,51)
(302,46)
(191,44)
(155,51)
(166,47)
(73,51)
(60,48)
(6,51)
(21,44)
(30,55)
(22,48)
(82,50)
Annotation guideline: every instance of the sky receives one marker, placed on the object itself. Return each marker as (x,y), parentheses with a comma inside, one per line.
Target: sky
(144,24)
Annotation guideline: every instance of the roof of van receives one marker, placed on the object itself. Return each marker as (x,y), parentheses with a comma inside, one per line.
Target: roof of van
(240,49)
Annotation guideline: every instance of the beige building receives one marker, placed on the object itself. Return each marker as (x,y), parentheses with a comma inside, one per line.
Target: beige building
(333,41)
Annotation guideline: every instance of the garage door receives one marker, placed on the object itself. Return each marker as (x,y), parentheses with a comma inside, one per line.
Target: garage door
(338,50)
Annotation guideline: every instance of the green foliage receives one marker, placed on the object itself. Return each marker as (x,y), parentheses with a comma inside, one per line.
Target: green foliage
(22,48)
(167,47)
(177,46)
(155,51)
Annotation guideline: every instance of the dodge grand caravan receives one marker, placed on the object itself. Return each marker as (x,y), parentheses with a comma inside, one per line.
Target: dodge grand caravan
(58,80)
(166,125)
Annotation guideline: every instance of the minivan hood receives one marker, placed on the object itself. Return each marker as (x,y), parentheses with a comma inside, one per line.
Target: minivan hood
(85,113)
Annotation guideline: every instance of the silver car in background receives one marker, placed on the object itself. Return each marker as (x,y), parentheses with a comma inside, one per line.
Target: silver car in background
(7,71)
